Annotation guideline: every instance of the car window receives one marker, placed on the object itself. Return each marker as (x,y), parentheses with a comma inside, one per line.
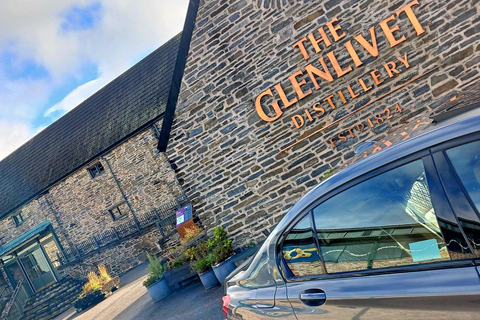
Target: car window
(466,162)
(300,250)
(386,221)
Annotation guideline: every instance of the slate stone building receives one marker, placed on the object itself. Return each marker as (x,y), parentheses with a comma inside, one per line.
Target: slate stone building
(251,106)
(277,94)
(92,188)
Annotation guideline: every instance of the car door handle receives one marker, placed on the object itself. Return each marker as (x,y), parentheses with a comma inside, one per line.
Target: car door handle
(313,297)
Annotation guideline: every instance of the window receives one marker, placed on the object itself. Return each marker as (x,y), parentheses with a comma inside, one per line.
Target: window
(466,162)
(386,221)
(96,169)
(300,251)
(18,219)
(118,211)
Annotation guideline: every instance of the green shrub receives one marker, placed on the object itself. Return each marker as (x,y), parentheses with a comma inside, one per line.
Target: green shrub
(221,247)
(201,256)
(155,270)
(204,263)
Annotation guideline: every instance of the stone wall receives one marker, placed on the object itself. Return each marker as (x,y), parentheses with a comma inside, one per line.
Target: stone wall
(228,159)
(118,257)
(78,206)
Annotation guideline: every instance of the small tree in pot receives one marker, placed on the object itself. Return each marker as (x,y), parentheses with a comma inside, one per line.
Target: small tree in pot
(157,286)
(222,250)
(202,262)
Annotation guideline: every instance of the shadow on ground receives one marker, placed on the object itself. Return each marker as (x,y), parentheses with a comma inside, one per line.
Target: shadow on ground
(132,301)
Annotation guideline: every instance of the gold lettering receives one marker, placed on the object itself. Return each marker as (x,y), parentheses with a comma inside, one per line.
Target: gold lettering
(353,54)
(340,93)
(371,48)
(352,94)
(300,118)
(297,85)
(336,66)
(315,42)
(300,46)
(390,67)
(332,143)
(404,61)
(333,30)
(309,116)
(389,32)
(341,136)
(364,87)
(360,127)
(259,109)
(312,72)
(375,76)
(330,102)
(317,108)
(412,17)
(283,97)
(351,133)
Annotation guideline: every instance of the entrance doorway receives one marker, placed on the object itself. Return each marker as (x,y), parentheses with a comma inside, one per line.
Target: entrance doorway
(37,269)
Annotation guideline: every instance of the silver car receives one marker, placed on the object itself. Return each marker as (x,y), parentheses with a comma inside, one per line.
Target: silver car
(394,236)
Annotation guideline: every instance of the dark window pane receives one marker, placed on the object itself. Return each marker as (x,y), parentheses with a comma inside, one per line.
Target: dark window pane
(96,169)
(383,222)
(466,162)
(300,251)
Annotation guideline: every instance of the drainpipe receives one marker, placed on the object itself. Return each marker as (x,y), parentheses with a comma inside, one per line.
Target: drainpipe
(123,194)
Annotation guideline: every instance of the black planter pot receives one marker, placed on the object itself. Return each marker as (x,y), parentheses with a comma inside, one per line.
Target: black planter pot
(89,300)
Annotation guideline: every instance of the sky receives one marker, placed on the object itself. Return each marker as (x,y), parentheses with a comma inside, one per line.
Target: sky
(56,53)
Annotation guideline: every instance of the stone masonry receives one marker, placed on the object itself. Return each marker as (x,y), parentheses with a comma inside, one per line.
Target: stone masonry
(78,206)
(228,159)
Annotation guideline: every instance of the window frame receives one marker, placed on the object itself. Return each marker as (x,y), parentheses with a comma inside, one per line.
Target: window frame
(422,155)
(95,167)
(110,211)
(16,220)
(448,165)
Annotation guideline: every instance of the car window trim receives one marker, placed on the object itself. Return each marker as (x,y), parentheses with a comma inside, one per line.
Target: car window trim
(390,270)
(448,165)
(455,142)
(289,276)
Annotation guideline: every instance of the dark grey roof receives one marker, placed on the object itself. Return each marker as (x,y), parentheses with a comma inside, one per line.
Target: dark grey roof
(124,106)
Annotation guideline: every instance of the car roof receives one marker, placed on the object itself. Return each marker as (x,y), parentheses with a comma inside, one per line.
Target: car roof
(458,126)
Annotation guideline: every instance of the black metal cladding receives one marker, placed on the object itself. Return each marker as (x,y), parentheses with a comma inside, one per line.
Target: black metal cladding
(178,74)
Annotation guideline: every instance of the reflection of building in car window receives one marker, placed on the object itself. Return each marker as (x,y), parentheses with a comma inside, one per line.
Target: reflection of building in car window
(385,221)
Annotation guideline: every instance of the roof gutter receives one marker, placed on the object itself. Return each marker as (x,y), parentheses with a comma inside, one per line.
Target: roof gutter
(180,63)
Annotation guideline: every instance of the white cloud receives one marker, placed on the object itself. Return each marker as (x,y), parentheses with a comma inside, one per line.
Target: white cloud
(76,97)
(13,135)
(126,31)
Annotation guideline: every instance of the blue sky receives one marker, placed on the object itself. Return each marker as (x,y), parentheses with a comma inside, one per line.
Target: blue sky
(54,54)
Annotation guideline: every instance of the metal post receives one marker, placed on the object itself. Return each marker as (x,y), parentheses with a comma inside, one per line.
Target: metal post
(96,241)
(116,233)
(156,214)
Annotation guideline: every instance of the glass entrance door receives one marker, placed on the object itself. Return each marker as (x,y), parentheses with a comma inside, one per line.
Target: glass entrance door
(37,269)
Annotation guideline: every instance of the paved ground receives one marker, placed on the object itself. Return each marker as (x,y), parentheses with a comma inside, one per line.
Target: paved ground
(132,301)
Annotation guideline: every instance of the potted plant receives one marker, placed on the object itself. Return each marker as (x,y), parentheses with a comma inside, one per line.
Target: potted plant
(157,286)
(91,294)
(222,250)
(202,262)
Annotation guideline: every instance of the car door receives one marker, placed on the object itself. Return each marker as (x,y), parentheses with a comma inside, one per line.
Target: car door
(388,246)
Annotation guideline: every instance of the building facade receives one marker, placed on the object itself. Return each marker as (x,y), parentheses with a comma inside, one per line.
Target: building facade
(92,188)
(277,94)
(273,96)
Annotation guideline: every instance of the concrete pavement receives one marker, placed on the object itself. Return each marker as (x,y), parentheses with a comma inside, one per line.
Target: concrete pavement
(132,301)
